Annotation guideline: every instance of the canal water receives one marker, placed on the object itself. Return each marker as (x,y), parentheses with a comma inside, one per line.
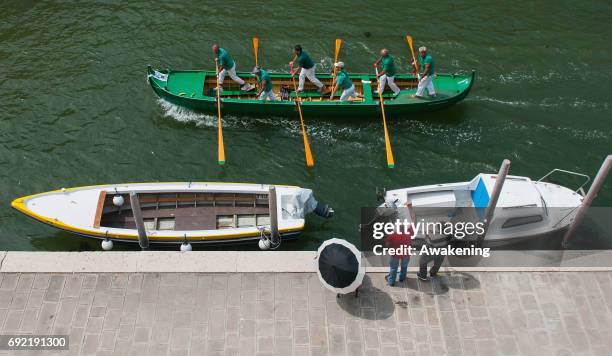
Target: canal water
(76,109)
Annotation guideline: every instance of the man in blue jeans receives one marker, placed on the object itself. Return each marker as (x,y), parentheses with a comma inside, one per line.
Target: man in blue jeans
(400,243)
(438,241)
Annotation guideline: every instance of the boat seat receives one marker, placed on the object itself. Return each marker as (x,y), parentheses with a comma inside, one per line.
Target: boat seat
(99,209)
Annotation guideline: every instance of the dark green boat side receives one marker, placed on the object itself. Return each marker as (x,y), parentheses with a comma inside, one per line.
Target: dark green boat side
(194,89)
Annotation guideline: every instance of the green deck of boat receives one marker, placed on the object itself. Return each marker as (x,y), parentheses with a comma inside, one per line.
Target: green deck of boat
(189,83)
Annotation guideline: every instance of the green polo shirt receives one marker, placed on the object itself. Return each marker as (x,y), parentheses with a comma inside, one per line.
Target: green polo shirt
(428,59)
(304,60)
(343,80)
(388,65)
(264,76)
(225,59)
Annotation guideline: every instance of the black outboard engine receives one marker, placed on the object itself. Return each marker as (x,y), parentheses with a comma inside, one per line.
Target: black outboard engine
(324,210)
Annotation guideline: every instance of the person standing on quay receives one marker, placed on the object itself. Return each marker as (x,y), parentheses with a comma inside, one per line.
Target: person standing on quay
(400,243)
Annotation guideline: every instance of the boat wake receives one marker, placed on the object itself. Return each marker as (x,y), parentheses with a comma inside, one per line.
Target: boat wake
(322,131)
(326,132)
(560,102)
(185,115)
(515,103)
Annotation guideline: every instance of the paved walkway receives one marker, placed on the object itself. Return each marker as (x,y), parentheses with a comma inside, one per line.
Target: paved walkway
(538,313)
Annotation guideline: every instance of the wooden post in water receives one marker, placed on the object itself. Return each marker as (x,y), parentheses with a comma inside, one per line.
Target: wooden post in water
(143,240)
(272,203)
(497,188)
(588,199)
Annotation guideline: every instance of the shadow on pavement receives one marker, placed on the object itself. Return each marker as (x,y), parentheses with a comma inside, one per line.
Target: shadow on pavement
(371,304)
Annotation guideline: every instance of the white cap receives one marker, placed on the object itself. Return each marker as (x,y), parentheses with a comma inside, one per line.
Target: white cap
(422,49)
(339,64)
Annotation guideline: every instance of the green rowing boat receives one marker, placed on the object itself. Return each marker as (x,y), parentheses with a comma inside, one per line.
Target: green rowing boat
(195,89)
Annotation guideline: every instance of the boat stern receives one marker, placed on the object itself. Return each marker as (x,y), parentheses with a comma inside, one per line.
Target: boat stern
(465,85)
(296,203)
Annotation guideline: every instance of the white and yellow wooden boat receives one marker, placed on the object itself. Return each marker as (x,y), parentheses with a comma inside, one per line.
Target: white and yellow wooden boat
(175,212)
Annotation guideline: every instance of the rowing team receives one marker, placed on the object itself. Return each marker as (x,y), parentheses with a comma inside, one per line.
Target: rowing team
(306,67)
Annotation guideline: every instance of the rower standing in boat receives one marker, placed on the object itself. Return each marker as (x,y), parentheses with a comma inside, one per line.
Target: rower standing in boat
(306,67)
(427,70)
(228,66)
(388,72)
(342,80)
(265,84)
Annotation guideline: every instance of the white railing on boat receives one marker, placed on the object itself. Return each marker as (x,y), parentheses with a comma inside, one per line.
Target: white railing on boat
(579,190)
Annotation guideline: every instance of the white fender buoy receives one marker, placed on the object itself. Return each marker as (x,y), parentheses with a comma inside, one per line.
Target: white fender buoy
(107,244)
(264,244)
(118,200)
(186,247)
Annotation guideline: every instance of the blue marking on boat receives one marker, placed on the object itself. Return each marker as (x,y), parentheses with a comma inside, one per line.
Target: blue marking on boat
(480,197)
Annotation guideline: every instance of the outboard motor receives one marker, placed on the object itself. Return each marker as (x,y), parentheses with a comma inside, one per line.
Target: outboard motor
(387,209)
(324,210)
(380,194)
(303,202)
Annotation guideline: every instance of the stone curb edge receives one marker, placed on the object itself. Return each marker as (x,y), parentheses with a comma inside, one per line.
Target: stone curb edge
(249,261)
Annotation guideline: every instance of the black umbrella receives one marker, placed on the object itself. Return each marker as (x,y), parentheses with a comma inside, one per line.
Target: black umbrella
(339,266)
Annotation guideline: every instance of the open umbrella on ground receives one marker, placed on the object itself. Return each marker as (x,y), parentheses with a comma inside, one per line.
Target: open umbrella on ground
(339,266)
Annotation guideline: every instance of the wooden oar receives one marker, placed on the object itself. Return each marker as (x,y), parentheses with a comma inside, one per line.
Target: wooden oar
(256,50)
(256,53)
(298,102)
(416,66)
(390,160)
(338,45)
(221,153)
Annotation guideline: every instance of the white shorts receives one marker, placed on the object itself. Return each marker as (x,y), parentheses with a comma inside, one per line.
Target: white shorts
(346,93)
(383,80)
(232,74)
(310,74)
(267,94)
(426,83)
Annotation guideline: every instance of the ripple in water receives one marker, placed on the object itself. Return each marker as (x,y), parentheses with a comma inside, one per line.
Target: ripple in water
(185,115)
(321,131)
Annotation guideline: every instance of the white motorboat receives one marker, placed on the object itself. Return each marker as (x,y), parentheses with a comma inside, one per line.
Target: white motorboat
(525,208)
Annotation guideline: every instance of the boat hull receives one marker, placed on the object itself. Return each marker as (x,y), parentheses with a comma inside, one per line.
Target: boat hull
(186,93)
(526,210)
(194,210)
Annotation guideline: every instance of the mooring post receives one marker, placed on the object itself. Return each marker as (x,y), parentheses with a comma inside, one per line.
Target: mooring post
(273,215)
(143,240)
(588,199)
(497,188)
